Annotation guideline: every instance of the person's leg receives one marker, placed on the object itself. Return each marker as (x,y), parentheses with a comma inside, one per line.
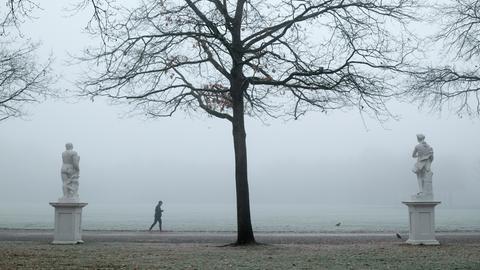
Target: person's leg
(160,224)
(154,222)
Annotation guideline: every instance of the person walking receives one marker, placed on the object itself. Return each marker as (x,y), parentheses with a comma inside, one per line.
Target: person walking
(158,216)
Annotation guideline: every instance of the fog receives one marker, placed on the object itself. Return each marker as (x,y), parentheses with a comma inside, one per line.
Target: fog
(339,157)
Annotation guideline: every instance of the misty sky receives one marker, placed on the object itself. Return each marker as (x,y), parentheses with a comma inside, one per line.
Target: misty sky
(321,158)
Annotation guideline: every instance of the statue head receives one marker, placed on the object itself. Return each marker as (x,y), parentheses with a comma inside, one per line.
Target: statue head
(420,137)
(69,146)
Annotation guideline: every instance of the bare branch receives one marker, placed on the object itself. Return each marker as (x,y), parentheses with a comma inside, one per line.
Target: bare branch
(22,79)
(242,44)
(456,85)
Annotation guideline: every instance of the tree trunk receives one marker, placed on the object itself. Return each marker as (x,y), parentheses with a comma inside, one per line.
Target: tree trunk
(244,223)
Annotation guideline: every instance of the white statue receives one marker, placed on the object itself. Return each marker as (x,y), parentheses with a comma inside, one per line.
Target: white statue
(70,173)
(424,154)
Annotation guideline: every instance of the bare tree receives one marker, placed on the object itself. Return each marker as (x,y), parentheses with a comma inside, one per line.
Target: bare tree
(22,79)
(456,84)
(275,58)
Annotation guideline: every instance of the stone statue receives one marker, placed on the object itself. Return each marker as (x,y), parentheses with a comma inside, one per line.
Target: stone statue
(70,173)
(424,154)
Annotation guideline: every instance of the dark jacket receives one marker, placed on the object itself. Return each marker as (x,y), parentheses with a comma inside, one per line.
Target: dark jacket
(158,211)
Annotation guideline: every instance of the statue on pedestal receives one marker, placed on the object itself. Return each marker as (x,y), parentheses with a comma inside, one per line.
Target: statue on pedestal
(424,154)
(70,173)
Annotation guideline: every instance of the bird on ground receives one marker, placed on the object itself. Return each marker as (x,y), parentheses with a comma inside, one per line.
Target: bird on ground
(398,236)
(338,224)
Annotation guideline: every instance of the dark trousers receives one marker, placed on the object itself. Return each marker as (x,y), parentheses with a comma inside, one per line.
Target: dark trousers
(159,220)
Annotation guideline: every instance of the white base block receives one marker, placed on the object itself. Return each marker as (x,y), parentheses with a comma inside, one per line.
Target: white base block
(68,222)
(422,222)
(423,242)
(59,242)
(74,199)
(422,197)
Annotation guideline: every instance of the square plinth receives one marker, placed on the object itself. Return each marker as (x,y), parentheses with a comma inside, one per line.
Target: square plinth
(68,222)
(422,222)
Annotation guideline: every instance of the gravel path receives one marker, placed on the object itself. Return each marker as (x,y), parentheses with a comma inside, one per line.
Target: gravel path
(31,249)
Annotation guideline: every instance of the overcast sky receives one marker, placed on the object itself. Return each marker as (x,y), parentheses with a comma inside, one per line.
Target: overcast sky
(322,158)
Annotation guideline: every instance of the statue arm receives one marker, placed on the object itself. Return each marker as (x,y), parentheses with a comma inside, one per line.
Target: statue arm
(76,162)
(415,152)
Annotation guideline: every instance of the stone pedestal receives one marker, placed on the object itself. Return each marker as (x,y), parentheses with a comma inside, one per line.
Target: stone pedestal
(422,222)
(68,222)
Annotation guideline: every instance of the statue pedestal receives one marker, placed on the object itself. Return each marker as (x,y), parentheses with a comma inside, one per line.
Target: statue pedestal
(68,222)
(422,222)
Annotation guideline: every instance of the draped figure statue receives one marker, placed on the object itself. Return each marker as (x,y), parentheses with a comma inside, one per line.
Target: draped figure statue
(70,173)
(422,168)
